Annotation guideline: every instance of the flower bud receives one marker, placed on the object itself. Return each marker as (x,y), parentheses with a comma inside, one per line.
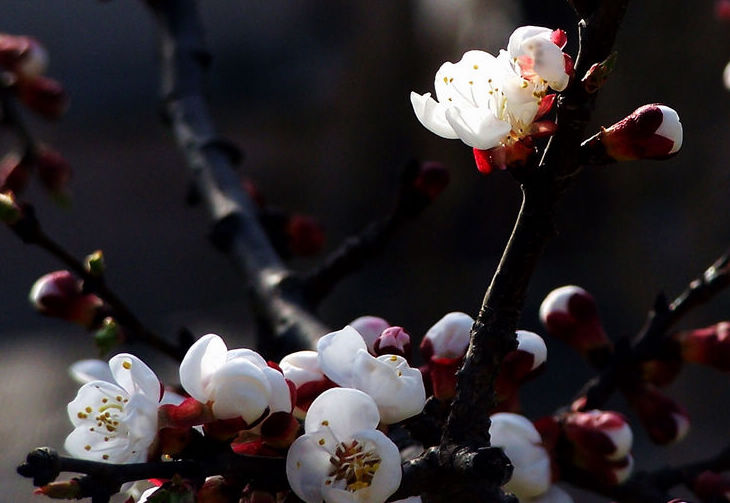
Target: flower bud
(393,341)
(598,73)
(302,369)
(279,430)
(65,490)
(722,10)
(369,328)
(650,132)
(711,486)
(59,294)
(431,180)
(53,170)
(10,211)
(94,263)
(448,337)
(531,353)
(522,444)
(185,415)
(664,419)
(44,96)
(601,433)
(708,346)
(14,172)
(305,235)
(569,313)
(23,55)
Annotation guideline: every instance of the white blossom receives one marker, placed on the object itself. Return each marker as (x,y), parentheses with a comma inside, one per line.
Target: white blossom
(396,387)
(236,383)
(341,457)
(116,421)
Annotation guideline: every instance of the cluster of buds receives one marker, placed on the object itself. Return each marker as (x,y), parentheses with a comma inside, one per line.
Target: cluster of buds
(595,443)
(497,105)
(23,61)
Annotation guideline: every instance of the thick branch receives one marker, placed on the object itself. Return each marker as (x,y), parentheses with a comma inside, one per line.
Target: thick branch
(211,161)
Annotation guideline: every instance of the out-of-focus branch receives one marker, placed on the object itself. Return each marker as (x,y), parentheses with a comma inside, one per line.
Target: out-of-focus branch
(419,185)
(652,336)
(211,160)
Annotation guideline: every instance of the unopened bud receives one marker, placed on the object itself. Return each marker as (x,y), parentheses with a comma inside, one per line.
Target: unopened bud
(279,430)
(664,419)
(598,73)
(431,180)
(708,346)
(302,369)
(711,486)
(23,55)
(10,211)
(722,10)
(53,170)
(44,96)
(517,365)
(66,490)
(569,313)
(650,132)
(59,294)
(305,235)
(108,336)
(369,328)
(393,341)
(601,433)
(448,337)
(94,263)
(185,415)
(14,172)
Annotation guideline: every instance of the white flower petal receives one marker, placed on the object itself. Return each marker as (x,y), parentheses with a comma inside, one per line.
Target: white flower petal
(301,367)
(396,388)
(280,395)
(671,127)
(239,388)
(478,127)
(84,371)
(432,115)
(336,352)
(514,46)
(344,411)
(386,479)
(247,354)
(84,444)
(135,376)
(307,465)
(549,62)
(200,362)
(90,398)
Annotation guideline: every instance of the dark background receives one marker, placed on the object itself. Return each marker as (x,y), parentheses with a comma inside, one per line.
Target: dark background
(316,93)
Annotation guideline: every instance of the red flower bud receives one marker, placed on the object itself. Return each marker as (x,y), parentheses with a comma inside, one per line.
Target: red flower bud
(393,341)
(44,96)
(664,419)
(517,365)
(305,235)
(708,346)
(432,179)
(59,294)
(53,170)
(604,434)
(722,9)
(650,132)
(569,313)
(711,486)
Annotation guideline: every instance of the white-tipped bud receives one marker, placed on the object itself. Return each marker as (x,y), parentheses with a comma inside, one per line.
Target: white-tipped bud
(650,132)
(530,342)
(448,337)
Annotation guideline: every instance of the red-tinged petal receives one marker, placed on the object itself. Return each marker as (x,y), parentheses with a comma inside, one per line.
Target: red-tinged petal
(559,38)
(546,105)
(189,413)
(569,65)
(443,376)
(482,159)
(307,392)
(250,448)
(542,129)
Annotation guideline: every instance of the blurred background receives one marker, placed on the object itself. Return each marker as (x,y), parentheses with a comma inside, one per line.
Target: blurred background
(316,93)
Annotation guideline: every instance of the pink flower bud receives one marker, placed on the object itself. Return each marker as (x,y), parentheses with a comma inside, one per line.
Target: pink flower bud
(59,294)
(44,96)
(569,313)
(369,328)
(23,55)
(601,433)
(708,346)
(517,365)
(711,486)
(650,132)
(53,170)
(393,341)
(305,235)
(14,172)
(664,419)
(432,179)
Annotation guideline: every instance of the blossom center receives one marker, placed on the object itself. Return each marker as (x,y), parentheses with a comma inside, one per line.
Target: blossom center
(353,466)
